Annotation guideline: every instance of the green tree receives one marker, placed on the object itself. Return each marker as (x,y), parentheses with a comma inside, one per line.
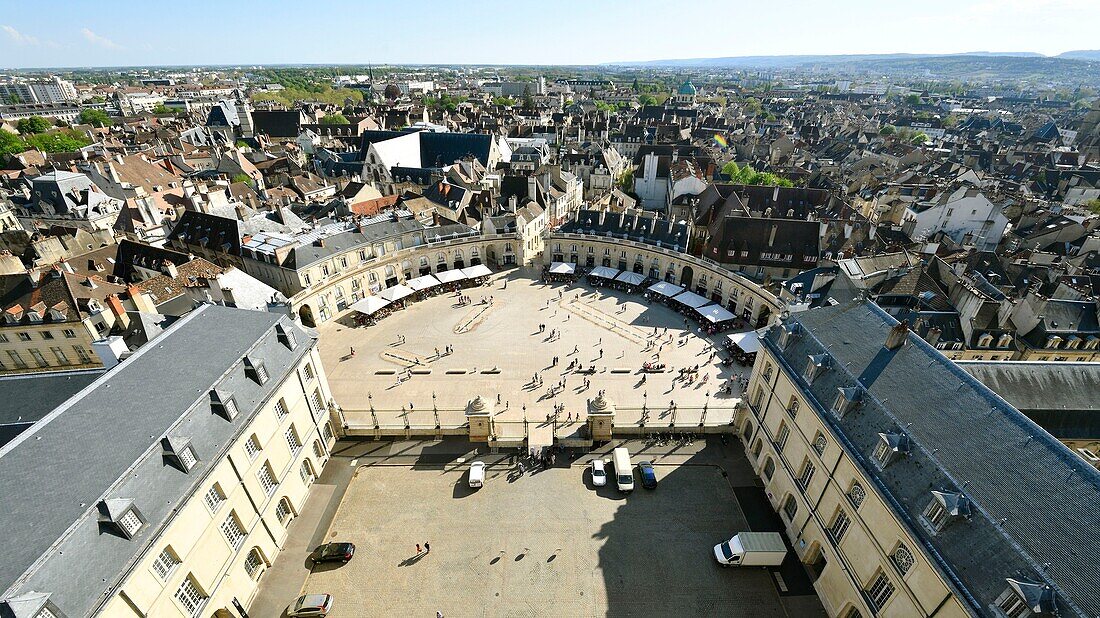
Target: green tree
(14,99)
(1093,206)
(912,99)
(528,100)
(10,143)
(242,177)
(887,129)
(34,124)
(161,110)
(752,106)
(504,101)
(748,176)
(635,87)
(626,181)
(647,99)
(919,138)
(335,119)
(58,141)
(94,117)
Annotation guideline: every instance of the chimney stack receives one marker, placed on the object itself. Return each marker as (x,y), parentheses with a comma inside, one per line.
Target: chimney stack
(897,335)
(933,336)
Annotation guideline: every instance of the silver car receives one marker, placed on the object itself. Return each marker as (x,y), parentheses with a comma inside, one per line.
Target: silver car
(311,606)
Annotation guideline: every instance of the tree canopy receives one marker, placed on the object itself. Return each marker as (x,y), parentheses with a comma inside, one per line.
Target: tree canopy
(335,119)
(95,117)
(647,99)
(34,124)
(748,176)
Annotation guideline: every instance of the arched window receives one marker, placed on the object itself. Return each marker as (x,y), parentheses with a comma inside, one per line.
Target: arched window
(756,447)
(390,272)
(255,564)
(441,258)
(307,472)
(318,450)
(423,260)
(284,512)
(769,468)
(790,507)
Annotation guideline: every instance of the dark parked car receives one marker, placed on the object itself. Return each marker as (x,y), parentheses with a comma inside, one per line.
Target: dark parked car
(333,552)
(649,477)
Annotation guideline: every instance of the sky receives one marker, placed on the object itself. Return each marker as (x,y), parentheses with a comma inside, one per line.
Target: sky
(193,32)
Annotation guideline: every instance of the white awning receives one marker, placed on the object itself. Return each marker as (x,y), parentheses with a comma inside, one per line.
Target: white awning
(480,270)
(604,272)
(370,304)
(563,268)
(691,299)
(450,276)
(716,313)
(397,292)
(631,278)
(748,341)
(422,283)
(664,288)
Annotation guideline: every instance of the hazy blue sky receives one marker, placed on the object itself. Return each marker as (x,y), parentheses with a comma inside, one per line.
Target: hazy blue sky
(124,32)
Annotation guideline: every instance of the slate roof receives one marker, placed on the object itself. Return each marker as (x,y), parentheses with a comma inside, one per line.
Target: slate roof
(1033,500)
(1060,397)
(643,228)
(95,447)
(30,396)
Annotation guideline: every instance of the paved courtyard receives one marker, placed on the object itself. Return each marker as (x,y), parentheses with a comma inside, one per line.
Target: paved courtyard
(544,543)
(498,347)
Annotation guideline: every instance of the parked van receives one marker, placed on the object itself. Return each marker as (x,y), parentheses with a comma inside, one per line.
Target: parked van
(624,471)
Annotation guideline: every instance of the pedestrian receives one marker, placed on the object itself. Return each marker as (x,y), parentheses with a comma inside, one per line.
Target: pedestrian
(601,352)
(427,548)
(418,549)
(353,351)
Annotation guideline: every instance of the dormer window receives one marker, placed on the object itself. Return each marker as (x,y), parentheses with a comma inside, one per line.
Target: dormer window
(1025,598)
(121,515)
(223,404)
(985,340)
(255,370)
(286,336)
(890,447)
(847,398)
(179,452)
(817,364)
(788,333)
(1054,341)
(944,508)
(1004,341)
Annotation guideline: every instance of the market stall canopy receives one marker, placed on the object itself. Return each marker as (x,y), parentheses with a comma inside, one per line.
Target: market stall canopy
(691,299)
(716,314)
(397,292)
(631,278)
(563,268)
(749,341)
(370,304)
(450,276)
(480,270)
(664,288)
(422,283)
(604,272)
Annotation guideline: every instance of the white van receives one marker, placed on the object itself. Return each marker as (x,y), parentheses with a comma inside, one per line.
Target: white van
(477,474)
(624,471)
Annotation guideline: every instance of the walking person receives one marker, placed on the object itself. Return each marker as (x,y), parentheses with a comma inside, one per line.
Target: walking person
(427,548)
(418,549)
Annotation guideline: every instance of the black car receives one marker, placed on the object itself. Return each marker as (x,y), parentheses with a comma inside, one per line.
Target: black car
(333,552)
(649,477)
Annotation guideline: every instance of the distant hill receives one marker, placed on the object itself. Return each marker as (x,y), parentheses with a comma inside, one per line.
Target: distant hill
(776,62)
(1082,54)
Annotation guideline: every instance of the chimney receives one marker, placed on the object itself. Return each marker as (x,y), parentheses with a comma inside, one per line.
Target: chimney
(771,237)
(141,302)
(169,269)
(897,335)
(118,310)
(110,350)
(933,336)
(113,173)
(775,194)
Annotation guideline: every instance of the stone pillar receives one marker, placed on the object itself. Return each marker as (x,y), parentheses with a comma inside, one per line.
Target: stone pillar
(601,418)
(479,417)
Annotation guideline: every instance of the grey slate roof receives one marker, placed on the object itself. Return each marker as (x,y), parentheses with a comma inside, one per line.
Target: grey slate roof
(29,397)
(104,444)
(1033,501)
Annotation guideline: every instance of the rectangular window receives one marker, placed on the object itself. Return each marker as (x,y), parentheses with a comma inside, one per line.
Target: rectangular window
(17,359)
(82,354)
(308,371)
(214,498)
(267,479)
(38,358)
(24,336)
(187,458)
(59,354)
(130,522)
(261,373)
(69,333)
(3,338)
(781,436)
(318,403)
(233,531)
(190,597)
(880,591)
(292,440)
(252,447)
(47,335)
(280,409)
(806,475)
(839,526)
(165,563)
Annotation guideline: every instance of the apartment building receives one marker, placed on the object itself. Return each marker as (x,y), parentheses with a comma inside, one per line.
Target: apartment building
(165,487)
(907,487)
